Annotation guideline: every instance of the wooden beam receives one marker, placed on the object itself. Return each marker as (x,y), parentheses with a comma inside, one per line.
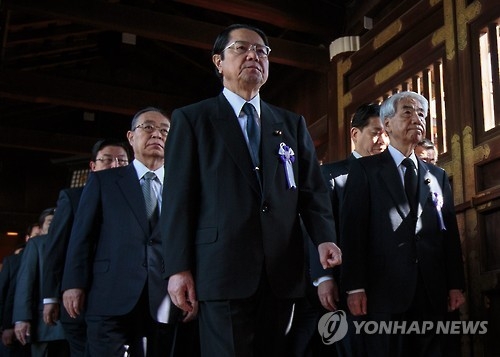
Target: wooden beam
(164,27)
(268,14)
(45,141)
(41,88)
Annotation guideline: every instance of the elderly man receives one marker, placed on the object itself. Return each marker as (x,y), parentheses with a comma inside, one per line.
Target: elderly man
(399,234)
(114,262)
(239,172)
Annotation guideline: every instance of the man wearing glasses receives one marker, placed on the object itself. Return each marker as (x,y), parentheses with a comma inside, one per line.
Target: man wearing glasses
(114,262)
(106,154)
(239,171)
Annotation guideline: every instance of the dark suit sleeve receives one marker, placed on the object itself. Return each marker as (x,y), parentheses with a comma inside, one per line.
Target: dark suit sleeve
(4,287)
(354,228)
(181,171)
(83,237)
(315,207)
(27,282)
(57,241)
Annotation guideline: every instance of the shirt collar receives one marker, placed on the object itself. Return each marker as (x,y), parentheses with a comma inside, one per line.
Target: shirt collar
(237,102)
(141,169)
(356,154)
(398,157)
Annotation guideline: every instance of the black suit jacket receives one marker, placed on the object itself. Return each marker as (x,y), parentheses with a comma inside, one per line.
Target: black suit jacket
(57,240)
(28,301)
(8,278)
(383,248)
(111,253)
(222,225)
(335,176)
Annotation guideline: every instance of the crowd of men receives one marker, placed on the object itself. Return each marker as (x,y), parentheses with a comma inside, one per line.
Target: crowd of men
(203,240)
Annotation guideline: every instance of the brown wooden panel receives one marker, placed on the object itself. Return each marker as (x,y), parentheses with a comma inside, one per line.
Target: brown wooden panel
(488,175)
(490,237)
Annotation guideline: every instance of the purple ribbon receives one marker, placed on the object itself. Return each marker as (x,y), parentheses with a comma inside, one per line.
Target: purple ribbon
(287,157)
(437,199)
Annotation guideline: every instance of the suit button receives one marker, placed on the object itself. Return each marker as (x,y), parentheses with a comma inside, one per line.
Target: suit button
(417,237)
(151,242)
(144,265)
(416,260)
(265,208)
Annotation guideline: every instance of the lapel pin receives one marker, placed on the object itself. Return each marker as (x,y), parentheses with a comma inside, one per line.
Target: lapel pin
(277,132)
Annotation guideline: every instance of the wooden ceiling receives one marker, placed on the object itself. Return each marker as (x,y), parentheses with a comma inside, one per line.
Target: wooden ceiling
(72,71)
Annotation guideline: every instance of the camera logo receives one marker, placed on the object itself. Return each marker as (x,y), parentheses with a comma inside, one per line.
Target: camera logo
(332,326)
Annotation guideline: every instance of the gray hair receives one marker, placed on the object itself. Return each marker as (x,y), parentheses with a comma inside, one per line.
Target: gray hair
(390,105)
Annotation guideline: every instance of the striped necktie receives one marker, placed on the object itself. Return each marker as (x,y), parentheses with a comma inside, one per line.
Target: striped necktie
(150,197)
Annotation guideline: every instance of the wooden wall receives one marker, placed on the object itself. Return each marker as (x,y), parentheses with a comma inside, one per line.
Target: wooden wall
(406,40)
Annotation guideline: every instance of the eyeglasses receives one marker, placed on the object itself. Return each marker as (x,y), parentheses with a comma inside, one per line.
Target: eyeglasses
(149,128)
(242,47)
(110,160)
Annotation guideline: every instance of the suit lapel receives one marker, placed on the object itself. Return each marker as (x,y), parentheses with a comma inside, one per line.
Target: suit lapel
(130,187)
(271,137)
(424,178)
(226,124)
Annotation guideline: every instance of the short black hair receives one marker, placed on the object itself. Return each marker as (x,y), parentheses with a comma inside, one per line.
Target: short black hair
(30,228)
(135,119)
(102,143)
(361,117)
(46,212)
(223,38)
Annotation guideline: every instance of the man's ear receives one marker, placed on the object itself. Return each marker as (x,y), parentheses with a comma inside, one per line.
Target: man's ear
(354,135)
(387,125)
(216,59)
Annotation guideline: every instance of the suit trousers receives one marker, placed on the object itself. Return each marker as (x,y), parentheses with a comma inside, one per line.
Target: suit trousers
(407,345)
(75,330)
(108,335)
(252,327)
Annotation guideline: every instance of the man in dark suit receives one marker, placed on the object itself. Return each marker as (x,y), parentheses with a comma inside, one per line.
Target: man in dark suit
(8,275)
(106,154)
(402,251)
(239,171)
(8,281)
(369,138)
(28,306)
(114,261)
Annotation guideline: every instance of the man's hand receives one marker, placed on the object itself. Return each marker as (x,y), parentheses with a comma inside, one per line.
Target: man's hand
(50,313)
(182,293)
(455,299)
(328,293)
(357,303)
(190,316)
(73,300)
(8,336)
(23,331)
(329,255)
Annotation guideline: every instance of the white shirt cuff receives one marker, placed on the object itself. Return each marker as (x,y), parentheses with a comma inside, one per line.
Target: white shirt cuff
(50,301)
(356,291)
(318,281)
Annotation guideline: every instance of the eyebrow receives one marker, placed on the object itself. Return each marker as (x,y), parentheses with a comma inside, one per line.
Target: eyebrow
(152,122)
(406,106)
(111,155)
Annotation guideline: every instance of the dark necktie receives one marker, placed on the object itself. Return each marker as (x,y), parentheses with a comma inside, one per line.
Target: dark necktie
(150,197)
(253,133)
(411,184)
